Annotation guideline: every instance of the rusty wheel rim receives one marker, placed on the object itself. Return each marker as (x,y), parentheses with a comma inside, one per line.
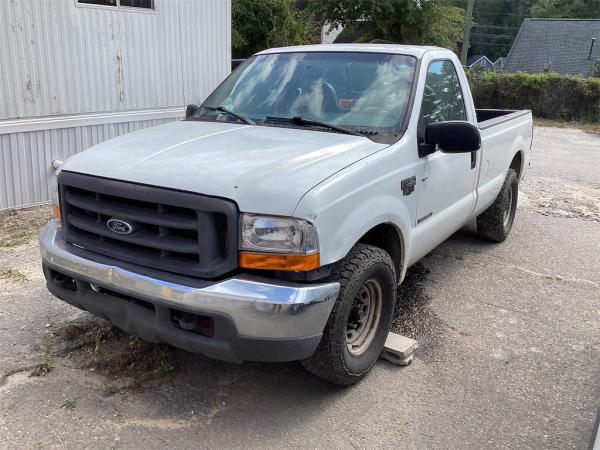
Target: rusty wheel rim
(364,317)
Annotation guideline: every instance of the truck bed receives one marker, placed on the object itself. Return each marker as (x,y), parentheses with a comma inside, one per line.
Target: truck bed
(487,118)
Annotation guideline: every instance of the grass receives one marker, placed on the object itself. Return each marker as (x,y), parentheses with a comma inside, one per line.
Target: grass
(18,226)
(589,127)
(11,275)
(109,390)
(164,367)
(69,404)
(45,362)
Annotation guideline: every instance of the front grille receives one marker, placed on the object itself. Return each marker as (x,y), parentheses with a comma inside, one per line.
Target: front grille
(174,231)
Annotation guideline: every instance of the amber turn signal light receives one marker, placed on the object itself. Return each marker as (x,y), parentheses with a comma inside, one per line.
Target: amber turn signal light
(56,211)
(269,261)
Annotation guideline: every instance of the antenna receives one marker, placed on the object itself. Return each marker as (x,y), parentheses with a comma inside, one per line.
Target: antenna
(592,48)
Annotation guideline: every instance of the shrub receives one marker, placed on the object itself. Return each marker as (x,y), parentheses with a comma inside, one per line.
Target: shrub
(548,95)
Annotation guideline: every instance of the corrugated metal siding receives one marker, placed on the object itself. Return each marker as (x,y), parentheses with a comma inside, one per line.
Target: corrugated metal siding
(58,58)
(62,58)
(26,162)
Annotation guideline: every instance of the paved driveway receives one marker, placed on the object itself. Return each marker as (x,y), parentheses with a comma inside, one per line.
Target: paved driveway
(509,357)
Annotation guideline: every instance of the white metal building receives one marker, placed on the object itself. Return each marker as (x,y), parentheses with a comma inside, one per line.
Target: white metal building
(76,72)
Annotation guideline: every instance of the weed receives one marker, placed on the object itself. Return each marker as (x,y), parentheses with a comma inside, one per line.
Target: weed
(69,404)
(45,361)
(164,367)
(11,275)
(109,390)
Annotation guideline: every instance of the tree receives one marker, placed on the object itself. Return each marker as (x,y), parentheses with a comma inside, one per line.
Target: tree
(433,22)
(572,9)
(495,25)
(260,24)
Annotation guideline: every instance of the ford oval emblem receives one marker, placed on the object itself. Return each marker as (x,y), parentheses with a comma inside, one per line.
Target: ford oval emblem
(119,226)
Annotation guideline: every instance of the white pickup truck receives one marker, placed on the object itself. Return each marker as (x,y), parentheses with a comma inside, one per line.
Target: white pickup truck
(275,222)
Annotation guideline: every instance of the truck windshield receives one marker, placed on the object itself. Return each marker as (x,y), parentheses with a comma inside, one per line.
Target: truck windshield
(364,92)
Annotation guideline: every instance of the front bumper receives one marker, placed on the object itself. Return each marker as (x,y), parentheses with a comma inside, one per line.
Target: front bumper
(254,318)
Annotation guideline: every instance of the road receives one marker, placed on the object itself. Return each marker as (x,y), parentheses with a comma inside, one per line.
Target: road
(509,356)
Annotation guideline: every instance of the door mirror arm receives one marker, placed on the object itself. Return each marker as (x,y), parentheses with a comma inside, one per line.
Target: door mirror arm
(191,110)
(426,149)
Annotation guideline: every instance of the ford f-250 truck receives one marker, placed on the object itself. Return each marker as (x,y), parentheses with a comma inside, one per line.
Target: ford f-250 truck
(275,222)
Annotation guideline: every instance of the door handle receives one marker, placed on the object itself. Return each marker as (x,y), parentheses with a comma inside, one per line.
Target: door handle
(473,159)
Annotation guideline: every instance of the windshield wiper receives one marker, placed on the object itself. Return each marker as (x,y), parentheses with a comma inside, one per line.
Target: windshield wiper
(297,120)
(231,113)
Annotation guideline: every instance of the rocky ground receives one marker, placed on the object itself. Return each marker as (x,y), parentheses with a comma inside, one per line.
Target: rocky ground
(509,356)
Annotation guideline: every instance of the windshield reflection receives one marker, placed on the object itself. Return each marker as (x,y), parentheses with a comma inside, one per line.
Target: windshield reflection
(361,91)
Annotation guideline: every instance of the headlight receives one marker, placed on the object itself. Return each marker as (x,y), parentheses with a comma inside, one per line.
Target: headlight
(278,235)
(278,243)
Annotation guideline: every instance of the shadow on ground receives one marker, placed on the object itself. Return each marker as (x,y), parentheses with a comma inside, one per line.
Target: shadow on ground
(133,365)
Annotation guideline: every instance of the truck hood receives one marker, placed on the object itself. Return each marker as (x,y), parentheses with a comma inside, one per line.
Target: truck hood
(264,169)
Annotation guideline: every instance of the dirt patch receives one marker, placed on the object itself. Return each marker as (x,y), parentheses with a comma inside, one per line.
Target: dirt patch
(20,225)
(413,318)
(11,275)
(569,200)
(98,346)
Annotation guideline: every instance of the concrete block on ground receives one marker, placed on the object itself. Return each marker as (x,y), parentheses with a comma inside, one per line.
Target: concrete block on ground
(399,349)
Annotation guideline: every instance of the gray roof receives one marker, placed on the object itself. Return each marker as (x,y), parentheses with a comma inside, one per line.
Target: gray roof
(561,44)
(474,58)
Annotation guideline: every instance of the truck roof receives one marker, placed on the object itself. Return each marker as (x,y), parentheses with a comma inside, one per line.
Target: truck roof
(412,50)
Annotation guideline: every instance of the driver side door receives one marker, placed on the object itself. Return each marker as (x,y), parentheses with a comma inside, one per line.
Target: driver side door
(447,179)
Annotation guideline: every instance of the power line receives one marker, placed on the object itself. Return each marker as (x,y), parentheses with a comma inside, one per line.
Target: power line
(501,14)
(496,27)
(491,43)
(497,36)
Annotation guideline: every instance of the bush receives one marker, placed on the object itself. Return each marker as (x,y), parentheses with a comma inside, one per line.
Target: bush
(548,95)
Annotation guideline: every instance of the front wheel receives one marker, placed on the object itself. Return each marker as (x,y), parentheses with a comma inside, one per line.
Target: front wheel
(360,320)
(496,222)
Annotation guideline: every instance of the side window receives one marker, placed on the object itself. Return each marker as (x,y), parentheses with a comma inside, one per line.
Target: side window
(442,99)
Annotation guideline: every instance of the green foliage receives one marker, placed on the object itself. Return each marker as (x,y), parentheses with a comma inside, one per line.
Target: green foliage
(260,24)
(69,404)
(432,22)
(572,9)
(547,95)
(596,69)
(164,367)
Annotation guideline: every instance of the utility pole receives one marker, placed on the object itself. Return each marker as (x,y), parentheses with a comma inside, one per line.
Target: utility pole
(467,34)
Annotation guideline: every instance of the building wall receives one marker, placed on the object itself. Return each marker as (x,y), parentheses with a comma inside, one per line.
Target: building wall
(73,75)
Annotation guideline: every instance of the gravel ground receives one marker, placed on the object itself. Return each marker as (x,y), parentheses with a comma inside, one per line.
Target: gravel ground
(509,356)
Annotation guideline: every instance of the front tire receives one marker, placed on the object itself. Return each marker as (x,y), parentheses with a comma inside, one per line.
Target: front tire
(360,320)
(496,222)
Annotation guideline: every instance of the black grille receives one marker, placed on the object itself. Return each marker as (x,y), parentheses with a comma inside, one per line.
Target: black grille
(174,231)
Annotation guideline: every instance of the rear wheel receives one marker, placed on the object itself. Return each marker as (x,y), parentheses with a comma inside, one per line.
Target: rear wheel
(496,222)
(359,322)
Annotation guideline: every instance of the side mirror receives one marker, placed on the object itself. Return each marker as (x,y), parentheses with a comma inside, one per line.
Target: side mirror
(191,110)
(450,137)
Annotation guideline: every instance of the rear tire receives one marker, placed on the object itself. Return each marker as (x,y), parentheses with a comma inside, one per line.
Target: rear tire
(360,320)
(496,222)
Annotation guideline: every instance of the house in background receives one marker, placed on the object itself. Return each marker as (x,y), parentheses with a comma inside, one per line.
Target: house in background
(329,33)
(76,72)
(566,46)
(479,60)
(500,62)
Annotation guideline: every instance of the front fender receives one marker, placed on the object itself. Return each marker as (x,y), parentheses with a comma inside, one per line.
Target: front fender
(347,205)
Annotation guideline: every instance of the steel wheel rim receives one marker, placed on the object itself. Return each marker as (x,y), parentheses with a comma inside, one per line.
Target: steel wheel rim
(508,209)
(364,317)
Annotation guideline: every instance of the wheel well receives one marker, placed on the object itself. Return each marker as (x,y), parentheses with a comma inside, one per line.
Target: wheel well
(516,163)
(387,237)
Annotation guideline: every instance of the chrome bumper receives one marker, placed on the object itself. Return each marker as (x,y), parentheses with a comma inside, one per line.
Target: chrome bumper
(259,307)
